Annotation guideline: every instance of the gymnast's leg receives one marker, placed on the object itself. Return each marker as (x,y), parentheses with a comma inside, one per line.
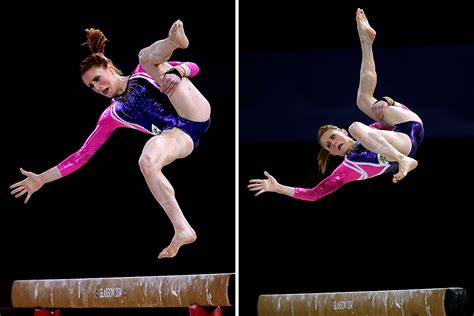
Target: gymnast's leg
(395,146)
(161,51)
(186,99)
(158,152)
(389,115)
(368,75)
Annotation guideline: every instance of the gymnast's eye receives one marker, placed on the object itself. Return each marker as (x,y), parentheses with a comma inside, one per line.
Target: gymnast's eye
(95,79)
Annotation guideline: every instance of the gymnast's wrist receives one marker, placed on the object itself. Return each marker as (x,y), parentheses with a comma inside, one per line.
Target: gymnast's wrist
(389,101)
(182,70)
(174,71)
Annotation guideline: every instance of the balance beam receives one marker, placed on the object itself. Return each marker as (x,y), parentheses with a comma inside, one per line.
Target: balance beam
(434,302)
(147,291)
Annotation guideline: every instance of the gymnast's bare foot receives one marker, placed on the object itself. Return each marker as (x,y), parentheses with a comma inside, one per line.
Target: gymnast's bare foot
(366,32)
(405,165)
(181,237)
(177,36)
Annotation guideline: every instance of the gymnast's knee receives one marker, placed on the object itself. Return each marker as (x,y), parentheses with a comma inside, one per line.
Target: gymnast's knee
(356,129)
(148,164)
(363,101)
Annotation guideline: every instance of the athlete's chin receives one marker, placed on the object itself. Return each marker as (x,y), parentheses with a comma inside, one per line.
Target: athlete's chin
(342,152)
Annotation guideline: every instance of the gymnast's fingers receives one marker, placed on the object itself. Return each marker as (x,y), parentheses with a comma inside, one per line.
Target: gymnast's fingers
(20,194)
(18,189)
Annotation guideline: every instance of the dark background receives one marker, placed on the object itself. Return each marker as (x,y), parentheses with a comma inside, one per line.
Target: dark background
(102,220)
(299,69)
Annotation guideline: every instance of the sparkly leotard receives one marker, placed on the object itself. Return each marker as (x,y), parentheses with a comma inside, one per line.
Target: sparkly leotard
(143,107)
(361,163)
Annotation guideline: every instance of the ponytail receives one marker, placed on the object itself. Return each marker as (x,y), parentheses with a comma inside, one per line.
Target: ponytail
(96,43)
(323,159)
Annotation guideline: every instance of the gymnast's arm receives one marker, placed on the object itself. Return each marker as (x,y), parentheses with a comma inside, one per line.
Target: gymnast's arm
(340,176)
(33,182)
(337,179)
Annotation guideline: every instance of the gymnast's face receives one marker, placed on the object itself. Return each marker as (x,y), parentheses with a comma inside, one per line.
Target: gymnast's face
(102,80)
(336,141)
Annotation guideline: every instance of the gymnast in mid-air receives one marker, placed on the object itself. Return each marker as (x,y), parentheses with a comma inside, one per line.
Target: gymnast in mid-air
(386,146)
(158,99)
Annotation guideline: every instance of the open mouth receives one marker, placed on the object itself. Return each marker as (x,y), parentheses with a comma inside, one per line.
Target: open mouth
(105,91)
(340,146)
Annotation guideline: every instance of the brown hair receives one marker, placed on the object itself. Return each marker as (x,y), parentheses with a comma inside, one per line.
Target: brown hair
(323,156)
(96,43)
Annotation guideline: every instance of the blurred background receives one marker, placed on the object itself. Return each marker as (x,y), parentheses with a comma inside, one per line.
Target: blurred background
(102,220)
(299,69)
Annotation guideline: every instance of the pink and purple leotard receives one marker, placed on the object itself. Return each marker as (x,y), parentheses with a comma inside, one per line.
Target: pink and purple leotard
(361,163)
(142,107)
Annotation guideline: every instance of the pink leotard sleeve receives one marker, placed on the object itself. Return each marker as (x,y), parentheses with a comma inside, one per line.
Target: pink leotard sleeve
(193,68)
(340,176)
(105,126)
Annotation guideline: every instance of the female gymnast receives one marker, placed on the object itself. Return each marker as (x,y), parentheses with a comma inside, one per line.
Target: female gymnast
(158,99)
(382,147)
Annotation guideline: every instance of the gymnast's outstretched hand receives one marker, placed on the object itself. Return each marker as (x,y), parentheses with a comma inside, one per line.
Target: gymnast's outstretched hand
(270,184)
(29,185)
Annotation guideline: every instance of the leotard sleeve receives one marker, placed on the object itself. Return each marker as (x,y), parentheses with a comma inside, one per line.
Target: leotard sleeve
(340,176)
(104,128)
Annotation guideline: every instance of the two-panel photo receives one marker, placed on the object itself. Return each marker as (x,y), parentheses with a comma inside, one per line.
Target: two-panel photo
(244,158)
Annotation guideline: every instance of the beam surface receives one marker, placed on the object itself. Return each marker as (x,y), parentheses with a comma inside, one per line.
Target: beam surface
(147,291)
(434,302)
